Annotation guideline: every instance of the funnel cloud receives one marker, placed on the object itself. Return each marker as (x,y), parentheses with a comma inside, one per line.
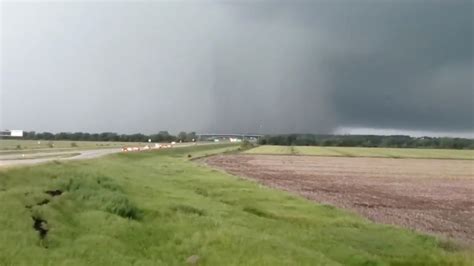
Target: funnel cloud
(237,66)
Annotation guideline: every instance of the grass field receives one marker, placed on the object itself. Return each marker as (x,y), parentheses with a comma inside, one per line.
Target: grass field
(365,152)
(159,208)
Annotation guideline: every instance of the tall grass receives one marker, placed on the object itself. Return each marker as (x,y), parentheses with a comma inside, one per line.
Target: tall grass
(100,192)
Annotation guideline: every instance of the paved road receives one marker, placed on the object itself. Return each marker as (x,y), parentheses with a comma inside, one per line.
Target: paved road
(17,160)
(8,160)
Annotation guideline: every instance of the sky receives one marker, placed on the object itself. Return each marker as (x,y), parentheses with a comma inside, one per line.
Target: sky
(343,66)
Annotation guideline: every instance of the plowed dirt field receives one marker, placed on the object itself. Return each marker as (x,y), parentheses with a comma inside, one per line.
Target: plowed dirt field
(428,195)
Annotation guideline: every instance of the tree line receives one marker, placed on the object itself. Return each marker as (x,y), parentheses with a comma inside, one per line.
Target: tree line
(398,141)
(162,136)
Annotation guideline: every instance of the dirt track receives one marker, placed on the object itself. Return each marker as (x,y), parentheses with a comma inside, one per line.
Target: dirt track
(432,196)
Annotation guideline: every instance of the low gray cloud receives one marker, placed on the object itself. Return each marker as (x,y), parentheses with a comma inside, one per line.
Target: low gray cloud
(267,66)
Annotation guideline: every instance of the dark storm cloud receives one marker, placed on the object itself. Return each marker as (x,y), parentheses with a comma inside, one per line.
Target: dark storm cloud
(417,74)
(267,66)
(391,64)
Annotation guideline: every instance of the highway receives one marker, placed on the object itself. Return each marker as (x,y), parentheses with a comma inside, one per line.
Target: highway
(42,157)
(18,159)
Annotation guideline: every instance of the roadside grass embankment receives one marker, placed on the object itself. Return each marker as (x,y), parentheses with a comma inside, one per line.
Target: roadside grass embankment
(365,152)
(159,208)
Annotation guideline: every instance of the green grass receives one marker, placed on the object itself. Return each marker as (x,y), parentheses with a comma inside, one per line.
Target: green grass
(365,152)
(270,149)
(159,208)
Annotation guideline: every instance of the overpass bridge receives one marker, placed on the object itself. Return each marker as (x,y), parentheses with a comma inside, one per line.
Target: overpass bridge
(231,135)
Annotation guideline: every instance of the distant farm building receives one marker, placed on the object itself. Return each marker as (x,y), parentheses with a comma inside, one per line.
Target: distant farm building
(15,133)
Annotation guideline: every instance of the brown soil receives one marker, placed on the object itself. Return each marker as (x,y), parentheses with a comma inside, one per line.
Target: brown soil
(54,193)
(41,226)
(431,196)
